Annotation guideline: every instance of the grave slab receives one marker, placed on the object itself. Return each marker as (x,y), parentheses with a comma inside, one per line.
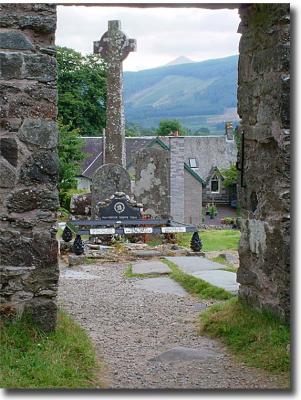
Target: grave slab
(150,267)
(195,264)
(222,279)
(185,354)
(146,253)
(161,285)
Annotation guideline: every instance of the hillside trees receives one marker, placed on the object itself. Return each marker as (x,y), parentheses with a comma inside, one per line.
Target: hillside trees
(81,111)
(81,91)
(168,126)
(70,154)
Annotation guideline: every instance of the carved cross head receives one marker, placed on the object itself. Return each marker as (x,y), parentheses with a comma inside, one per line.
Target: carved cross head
(114,46)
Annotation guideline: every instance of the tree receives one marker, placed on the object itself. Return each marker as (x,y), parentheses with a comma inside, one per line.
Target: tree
(70,154)
(167,126)
(81,91)
(132,129)
(230,175)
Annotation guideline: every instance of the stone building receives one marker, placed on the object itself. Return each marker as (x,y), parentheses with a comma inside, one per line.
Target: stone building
(193,159)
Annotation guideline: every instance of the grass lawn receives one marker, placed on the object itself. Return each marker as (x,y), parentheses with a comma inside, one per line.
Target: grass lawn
(257,338)
(228,266)
(61,359)
(196,286)
(213,240)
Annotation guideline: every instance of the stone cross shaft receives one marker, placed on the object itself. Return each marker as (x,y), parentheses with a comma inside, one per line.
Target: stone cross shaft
(114,47)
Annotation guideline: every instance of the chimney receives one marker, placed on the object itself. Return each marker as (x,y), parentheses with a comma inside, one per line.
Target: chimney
(229,131)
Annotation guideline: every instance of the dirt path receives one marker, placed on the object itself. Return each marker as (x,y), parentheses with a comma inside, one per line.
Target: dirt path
(131,327)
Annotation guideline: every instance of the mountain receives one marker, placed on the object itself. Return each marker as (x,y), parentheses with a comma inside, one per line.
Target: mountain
(180,60)
(199,94)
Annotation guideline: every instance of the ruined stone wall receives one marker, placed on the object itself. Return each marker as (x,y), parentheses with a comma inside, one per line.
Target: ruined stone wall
(263,105)
(29,161)
(151,187)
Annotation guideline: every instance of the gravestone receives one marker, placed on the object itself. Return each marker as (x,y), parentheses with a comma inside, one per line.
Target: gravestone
(120,208)
(152,181)
(107,180)
(114,47)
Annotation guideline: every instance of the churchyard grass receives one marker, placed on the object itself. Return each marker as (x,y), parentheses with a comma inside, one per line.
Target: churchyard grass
(257,338)
(197,286)
(62,359)
(229,266)
(213,240)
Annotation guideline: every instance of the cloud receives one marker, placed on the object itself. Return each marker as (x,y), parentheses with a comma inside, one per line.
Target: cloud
(162,33)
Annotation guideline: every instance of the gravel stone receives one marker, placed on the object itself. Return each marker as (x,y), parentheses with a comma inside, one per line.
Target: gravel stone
(130,326)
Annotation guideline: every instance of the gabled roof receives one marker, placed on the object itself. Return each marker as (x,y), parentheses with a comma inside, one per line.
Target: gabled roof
(208,150)
(214,170)
(158,141)
(194,174)
(93,149)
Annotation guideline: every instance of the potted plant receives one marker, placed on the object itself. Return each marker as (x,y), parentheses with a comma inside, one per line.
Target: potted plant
(212,210)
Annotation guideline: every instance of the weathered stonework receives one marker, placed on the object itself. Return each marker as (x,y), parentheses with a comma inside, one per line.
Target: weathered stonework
(28,248)
(177,207)
(114,47)
(29,163)
(192,200)
(151,187)
(80,205)
(263,105)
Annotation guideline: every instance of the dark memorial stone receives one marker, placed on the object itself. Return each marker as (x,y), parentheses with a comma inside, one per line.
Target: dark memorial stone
(107,180)
(120,208)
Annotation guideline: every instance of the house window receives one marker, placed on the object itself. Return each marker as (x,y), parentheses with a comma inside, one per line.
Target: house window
(192,162)
(214,184)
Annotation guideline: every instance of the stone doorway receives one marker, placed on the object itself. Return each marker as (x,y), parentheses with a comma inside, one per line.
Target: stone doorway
(29,161)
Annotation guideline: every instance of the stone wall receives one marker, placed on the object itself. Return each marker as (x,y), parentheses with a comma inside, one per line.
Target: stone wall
(176,145)
(29,161)
(263,105)
(192,200)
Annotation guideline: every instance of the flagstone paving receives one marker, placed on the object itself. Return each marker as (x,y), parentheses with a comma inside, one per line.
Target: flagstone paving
(195,264)
(150,340)
(222,279)
(150,267)
(210,271)
(161,285)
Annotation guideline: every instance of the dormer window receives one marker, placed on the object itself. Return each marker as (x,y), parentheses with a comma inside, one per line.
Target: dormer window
(214,184)
(192,163)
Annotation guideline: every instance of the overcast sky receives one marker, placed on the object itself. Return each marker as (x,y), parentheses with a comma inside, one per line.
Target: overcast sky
(162,34)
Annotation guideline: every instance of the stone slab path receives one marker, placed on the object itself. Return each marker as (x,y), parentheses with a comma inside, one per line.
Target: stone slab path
(161,285)
(150,340)
(222,279)
(150,267)
(208,270)
(195,264)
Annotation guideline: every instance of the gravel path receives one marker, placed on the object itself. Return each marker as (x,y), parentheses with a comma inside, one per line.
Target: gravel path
(131,326)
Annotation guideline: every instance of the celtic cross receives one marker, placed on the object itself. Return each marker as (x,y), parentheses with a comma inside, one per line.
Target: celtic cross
(114,47)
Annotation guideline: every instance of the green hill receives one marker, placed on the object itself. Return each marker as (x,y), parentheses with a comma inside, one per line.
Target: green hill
(198,94)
